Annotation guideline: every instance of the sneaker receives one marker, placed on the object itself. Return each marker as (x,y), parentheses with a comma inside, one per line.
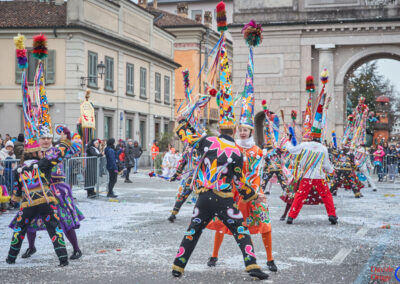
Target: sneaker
(258,274)
(29,252)
(289,220)
(128,181)
(75,255)
(212,261)
(333,220)
(271,266)
(172,218)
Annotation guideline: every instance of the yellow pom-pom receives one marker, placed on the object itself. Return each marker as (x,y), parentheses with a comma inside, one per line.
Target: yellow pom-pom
(19,41)
(324,76)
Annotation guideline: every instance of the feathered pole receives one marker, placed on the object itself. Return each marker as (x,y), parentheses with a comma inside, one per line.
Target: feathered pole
(221,17)
(317,122)
(307,121)
(22,59)
(40,47)
(292,127)
(328,98)
(268,125)
(186,84)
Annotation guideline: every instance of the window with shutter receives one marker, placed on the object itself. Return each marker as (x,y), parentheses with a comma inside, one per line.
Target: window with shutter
(109,81)
(49,65)
(92,69)
(167,88)
(129,79)
(157,90)
(143,83)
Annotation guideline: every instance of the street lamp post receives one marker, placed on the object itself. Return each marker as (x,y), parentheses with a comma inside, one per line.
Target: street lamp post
(101,69)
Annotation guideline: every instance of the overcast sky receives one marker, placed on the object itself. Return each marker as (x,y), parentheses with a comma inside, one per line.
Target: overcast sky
(390,68)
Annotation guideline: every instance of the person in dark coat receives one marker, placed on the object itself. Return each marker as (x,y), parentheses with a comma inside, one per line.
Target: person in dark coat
(111,166)
(92,150)
(137,152)
(19,146)
(129,160)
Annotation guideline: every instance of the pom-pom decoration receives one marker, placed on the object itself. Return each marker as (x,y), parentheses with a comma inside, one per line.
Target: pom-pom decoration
(186,82)
(324,76)
(40,47)
(310,87)
(252,34)
(21,51)
(265,107)
(293,115)
(221,17)
(212,92)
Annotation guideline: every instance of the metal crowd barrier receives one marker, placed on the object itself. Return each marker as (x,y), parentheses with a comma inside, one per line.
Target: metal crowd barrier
(7,168)
(80,172)
(86,172)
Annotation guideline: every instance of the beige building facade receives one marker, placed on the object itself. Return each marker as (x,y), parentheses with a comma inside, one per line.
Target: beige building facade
(133,99)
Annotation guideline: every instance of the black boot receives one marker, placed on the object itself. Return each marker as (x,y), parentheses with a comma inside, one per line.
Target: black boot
(289,220)
(258,274)
(271,266)
(63,263)
(176,273)
(172,218)
(112,195)
(29,252)
(212,261)
(76,254)
(282,218)
(10,260)
(91,193)
(333,220)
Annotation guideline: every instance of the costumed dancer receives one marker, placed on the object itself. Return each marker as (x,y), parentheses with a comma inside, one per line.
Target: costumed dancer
(220,167)
(70,216)
(32,186)
(363,162)
(313,162)
(345,173)
(255,215)
(272,154)
(288,196)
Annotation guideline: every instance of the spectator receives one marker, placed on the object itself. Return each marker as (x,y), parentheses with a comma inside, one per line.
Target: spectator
(92,150)
(19,146)
(137,152)
(1,143)
(129,160)
(378,162)
(120,150)
(391,159)
(8,138)
(7,153)
(154,150)
(111,166)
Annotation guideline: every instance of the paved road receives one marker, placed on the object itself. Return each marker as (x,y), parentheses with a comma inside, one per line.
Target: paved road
(130,241)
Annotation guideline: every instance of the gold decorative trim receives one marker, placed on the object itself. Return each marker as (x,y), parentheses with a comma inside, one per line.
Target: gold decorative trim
(252,267)
(174,212)
(255,196)
(223,194)
(39,201)
(178,268)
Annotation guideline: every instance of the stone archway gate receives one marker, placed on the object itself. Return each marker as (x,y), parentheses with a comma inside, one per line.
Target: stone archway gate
(302,38)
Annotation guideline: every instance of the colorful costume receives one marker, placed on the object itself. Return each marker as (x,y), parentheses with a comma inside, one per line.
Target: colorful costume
(70,216)
(312,163)
(363,163)
(32,186)
(255,215)
(220,167)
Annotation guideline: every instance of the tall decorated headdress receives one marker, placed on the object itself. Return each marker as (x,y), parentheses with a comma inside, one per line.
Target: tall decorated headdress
(307,120)
(44,120)
(31,143)
(269,138)
(253,36)
(316,130)
(224,98)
